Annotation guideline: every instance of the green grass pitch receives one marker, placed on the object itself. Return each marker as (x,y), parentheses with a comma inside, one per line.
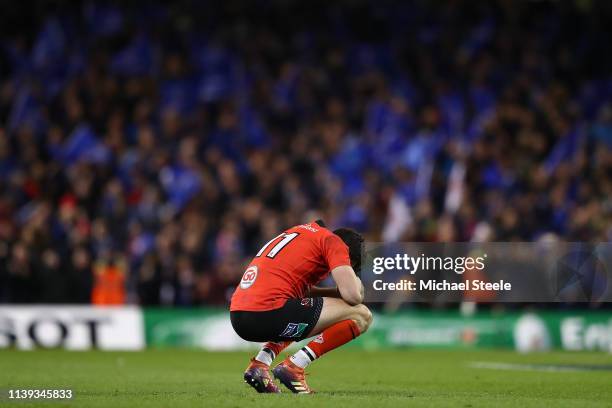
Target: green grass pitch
(344,378)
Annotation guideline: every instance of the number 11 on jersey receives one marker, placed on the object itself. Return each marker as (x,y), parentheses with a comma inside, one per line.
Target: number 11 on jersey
(287,238)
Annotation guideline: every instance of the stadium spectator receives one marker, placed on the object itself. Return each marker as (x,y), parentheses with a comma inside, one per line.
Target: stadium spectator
(182,137)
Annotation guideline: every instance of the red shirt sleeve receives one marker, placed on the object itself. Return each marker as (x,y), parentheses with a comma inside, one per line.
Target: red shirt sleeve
(335,252)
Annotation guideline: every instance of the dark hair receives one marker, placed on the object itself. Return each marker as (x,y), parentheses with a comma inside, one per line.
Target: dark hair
(353,240)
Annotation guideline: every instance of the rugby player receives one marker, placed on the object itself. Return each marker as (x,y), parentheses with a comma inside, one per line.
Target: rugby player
(277,302)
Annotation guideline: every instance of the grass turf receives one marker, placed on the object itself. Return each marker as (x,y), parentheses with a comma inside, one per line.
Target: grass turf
(344,378)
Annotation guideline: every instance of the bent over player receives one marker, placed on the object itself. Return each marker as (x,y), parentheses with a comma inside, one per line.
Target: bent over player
(277,301)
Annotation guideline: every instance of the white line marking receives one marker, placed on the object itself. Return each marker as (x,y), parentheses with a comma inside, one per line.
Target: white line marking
(524,367)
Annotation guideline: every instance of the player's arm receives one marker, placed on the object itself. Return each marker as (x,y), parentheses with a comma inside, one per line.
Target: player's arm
(349,285)
(317,291)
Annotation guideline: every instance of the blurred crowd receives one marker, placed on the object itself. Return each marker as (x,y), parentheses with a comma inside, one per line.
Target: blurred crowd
(148,150)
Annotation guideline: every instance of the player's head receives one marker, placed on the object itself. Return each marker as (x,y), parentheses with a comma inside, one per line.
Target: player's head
(353,240)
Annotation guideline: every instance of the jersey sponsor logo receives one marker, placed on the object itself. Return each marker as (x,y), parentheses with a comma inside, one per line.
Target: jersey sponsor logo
(307,302)
(308,227)
(248,279)
(294,330)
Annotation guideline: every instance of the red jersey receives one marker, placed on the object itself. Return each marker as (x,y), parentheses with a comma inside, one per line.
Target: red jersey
(287,266)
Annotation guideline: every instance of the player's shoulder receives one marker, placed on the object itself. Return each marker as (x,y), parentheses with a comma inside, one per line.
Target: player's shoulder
(318,234)
(315,229)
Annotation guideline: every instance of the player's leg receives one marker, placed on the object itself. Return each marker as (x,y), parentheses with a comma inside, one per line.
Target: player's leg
(252,326)
(338,324)
(270,350)
(336,310)
(257,374)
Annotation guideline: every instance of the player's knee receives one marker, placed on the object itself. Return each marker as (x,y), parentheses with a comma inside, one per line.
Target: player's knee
(368,317)
(362,317)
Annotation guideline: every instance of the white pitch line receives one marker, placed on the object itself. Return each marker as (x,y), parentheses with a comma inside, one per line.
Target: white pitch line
(523,367)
